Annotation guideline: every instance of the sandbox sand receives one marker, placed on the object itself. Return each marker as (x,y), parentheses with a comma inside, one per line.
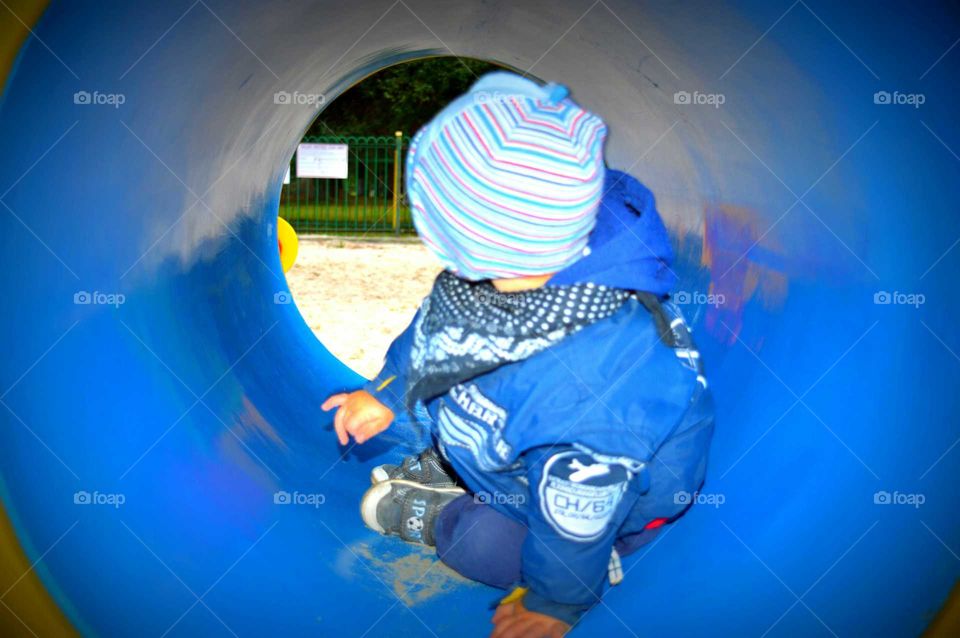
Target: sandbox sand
(358,294)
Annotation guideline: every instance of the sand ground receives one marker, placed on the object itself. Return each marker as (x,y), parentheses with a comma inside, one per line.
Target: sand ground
(358,294)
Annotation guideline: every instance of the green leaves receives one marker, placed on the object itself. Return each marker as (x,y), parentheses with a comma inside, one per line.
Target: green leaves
(400,98)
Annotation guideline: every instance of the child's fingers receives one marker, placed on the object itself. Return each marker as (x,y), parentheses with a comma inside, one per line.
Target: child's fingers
(334,401)
(369,429)
(363,425)
(341,432)
(504,618)
(340,425)
(527,628)
(515,627)
(504,611)
(338,401)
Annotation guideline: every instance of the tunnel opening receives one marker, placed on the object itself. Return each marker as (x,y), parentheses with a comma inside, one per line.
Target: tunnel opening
(361,271)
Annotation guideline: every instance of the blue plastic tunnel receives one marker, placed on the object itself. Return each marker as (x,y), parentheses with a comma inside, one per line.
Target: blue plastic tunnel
(156,398)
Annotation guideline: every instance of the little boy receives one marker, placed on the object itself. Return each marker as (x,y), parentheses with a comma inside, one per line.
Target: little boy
(568,409)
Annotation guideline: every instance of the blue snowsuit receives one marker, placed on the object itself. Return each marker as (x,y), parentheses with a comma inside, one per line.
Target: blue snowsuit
(577,448)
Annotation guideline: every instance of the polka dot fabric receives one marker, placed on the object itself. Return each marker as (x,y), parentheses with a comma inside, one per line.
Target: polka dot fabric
(466,328)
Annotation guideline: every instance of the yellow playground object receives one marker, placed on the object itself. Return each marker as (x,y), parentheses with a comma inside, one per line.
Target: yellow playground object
(288,243)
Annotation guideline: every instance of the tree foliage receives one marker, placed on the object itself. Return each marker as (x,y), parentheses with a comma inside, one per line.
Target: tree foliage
(400,98)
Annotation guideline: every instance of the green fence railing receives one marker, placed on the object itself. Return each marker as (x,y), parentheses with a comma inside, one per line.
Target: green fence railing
(369,200)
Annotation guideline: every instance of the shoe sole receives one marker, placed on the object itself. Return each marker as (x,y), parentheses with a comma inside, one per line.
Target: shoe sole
(378,475)
(379,491)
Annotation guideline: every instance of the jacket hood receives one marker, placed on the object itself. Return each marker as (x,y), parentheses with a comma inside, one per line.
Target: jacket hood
(629,247)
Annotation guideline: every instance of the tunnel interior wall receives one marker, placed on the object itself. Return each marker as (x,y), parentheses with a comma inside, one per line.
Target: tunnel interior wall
(197,399)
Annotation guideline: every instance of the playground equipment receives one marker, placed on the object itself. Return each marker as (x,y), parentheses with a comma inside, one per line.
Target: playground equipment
(288,243)
(165,465)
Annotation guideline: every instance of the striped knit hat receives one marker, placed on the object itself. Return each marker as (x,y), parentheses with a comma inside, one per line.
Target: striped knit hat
(506,180)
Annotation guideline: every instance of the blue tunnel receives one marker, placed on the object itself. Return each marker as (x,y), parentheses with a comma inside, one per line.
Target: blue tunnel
(155,399)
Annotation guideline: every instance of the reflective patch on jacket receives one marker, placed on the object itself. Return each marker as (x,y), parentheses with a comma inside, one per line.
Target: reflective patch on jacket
(474,422)
(579,495)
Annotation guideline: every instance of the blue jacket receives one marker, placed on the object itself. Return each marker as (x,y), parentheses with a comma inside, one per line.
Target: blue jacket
(590,440)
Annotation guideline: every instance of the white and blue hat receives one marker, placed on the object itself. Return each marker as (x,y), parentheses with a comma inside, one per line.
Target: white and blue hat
(506,180)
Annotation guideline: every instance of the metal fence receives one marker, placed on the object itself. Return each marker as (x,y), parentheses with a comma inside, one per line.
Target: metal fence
(369,200)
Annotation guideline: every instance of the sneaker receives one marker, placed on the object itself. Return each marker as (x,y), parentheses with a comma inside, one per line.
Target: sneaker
(406,509)
(426,469)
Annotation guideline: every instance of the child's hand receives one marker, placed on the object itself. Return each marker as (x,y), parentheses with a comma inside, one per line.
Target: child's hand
(359,415)
(513,620)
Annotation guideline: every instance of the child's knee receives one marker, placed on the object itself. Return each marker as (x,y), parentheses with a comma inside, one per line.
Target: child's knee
(480,543)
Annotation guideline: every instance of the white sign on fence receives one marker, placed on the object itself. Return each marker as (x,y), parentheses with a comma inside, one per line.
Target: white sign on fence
(322,160)
(286,176)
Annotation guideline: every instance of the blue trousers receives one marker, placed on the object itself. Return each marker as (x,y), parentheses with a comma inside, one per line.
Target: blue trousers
(481,544)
